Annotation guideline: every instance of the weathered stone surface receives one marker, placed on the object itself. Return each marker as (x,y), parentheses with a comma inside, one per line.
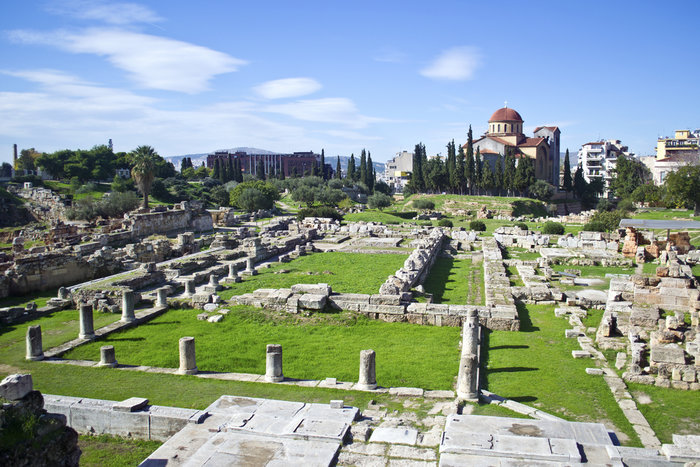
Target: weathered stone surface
(394,436)
(668,353)
(16,386)
(273,364)
(368,378)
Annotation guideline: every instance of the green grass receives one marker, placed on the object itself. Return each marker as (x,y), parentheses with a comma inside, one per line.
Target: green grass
(344,272)
(456,281)
(524,254)
(514,277)
(665,214)
(325,345)
(114,451)
(671,410)
(56,328)
(40,298)
(372,215)
(535,367)
(649,268)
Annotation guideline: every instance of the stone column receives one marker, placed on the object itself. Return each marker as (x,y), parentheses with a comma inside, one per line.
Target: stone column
(250,266)
(107,357)
(368,376)
(189,287)
(63,293)
(232,273)
(128,302)
(273,364)
(34,347)
(213,280)
(467,384)
(188,362)
(162,296)
(87,329)
(470,333)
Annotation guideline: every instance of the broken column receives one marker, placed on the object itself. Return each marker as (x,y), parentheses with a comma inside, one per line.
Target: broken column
(87,330)
(368,376)
(188,362)
(273,363)
(128,302)
(107,357)
(250,266)
(63,293)
(232,273)
(470,333)
(189,288)
(34,347)
(162,296)
(467,384)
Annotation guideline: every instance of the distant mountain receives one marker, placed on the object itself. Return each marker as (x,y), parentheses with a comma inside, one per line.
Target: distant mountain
(378,166)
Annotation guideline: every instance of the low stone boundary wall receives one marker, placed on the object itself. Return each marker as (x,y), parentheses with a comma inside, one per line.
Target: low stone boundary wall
(417,265)
(132,418)
(515,236)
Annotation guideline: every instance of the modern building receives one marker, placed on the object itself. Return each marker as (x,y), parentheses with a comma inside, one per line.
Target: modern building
(294,164)
(673,153)
(598,160)
(398,170)
(505,134)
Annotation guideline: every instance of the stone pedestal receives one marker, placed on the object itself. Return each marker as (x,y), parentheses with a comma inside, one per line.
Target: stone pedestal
(232,274)
(128,303)
(189,288)
(213,285)
(34,347)
(467,384)
(273,364)
(87,330)
(250,267)
(63,293)
(162,296)
(188,362)
(298,251)
(107,357)
(368,373)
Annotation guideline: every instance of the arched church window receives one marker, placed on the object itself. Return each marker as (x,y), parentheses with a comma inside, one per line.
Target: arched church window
(499,127)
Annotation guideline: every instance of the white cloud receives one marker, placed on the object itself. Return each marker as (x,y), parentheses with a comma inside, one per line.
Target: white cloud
(455,64)
(389,55)
(112,13)
(329,110)
(153,62)
(288,87)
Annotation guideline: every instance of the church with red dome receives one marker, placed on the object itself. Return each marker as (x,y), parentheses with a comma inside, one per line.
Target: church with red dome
(505,134)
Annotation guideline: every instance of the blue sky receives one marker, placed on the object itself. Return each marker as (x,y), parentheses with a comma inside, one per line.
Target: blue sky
(189,77)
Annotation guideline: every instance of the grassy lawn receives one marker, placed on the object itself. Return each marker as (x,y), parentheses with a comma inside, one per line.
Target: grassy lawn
(524,254)
(670,411)
(372,215)
(345,272)
(407,355)
(665,214)
(456,281)
(114,451)
(40,298)
(514,277)
(535,367)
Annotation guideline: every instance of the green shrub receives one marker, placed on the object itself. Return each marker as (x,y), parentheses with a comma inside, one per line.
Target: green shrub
(444,223)
(268,190)
(320,211)
(626,205)
(113,205)
(379,201)
(594,226)
(423,203)
(608,220)
(605,205)
(521,225)
(477,226)
(553,228)
(524,207)
(87,188)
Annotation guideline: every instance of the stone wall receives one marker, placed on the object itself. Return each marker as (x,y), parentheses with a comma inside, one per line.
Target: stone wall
(417,265)
(186,216)
(515,236)
(45,204)
(590,241)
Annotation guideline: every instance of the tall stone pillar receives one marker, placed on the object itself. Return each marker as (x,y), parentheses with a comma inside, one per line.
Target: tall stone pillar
(273,364)
(467,378)
(162,296)
(87,330)
(107,357)
(128,303)
(368,376)
(470,333)
(35,349)
(188,362)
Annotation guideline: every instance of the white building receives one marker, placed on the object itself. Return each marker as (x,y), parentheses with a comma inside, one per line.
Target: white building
(673,153)
(599,158)
(398,170)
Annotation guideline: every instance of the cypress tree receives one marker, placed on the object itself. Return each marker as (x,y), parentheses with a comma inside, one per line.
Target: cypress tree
(323,164)
(498,176)
(314,169)
(567,183)
(231,169)
(488,179)
(217,169)
(451,167)
(459,171)
(351,168)
(369,181)
(424,165)
(223,175)
(470,169)
(417,174)
(580,186)
(260,169)
(478,169)
(363,167)
(338,171)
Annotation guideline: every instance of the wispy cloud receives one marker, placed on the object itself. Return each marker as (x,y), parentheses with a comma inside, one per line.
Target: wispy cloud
(330,110)
(455,64)
(389,55)
(288,87)
(108,12)
(151,61)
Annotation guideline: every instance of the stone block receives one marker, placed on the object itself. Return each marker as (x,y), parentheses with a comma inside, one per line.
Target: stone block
(381,299)
(16,386)
(311,301)
(130,405)
(594,371)
(668,353)
(215,318)
(581,354)
(316,289)
(337,404)
(394,436)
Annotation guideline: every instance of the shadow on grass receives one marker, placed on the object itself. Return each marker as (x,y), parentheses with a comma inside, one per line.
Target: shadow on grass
(502,347)
(525,321)
(438,278)
(127,339)
(512,369)
(523,398)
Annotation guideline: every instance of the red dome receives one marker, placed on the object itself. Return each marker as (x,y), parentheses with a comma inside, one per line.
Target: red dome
(505,115)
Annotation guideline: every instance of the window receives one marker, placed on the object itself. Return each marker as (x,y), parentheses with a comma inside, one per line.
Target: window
(499,127)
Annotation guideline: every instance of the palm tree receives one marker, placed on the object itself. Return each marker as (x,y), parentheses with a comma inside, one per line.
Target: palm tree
(143,160)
